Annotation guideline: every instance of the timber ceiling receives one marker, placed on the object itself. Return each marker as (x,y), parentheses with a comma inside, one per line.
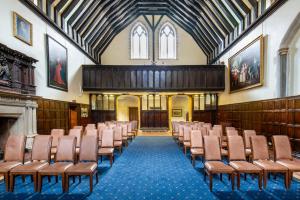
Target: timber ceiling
(213,24)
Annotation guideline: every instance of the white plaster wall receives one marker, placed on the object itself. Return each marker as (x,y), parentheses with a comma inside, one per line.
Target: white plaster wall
(180,102)
(124,102)
(38,51)
(293,87)
(188,52)
(273,30)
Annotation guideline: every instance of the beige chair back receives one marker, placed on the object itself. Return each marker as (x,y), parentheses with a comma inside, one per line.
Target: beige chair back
(236,148)
(124,130)
(76,133)
(246,135)
(187,133)
(89,148)
(107,138)
(92,132)
(181,128)
(282,147)
(212,149)
(78,127)
(196,139)
(232,133)
(41,148)
(66,149)
(259,148)
(118,133)
(56,134)
(14,148)
(90,126)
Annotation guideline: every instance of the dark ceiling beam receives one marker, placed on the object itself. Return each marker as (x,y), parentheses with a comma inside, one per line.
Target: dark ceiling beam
(254,5)
(236,11)
(67,12)
(125,10)
(57,8)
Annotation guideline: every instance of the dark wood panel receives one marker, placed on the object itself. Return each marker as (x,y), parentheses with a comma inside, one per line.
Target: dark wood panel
(102,115)
(267,117)
(154,78)
(154,118)
(204,116)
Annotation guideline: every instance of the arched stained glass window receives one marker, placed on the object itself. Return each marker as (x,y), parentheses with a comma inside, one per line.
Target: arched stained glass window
(167,42)
(139,42)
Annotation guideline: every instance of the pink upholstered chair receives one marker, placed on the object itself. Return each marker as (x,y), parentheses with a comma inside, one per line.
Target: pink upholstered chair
(118,138)
(196,145)
(247,134)
(213,161)
(237,160)
(78,134)
(107,145)
(56,134)
(186,138)
(283,155)
(13,156)
(261,159)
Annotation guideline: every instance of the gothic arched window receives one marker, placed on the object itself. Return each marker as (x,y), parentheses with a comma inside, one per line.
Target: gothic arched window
(167,42)
(139,42)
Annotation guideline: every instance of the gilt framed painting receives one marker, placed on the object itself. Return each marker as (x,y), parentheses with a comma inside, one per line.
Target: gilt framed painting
(57,70)
(22,29)
(246,67)
(176,112)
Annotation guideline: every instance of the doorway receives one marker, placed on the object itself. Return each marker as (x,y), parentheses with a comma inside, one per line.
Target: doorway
(74,111)
(128,108)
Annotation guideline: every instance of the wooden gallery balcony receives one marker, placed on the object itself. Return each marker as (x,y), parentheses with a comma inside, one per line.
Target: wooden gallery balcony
(154,78)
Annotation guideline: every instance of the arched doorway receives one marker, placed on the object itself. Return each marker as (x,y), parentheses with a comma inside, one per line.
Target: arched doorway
(180,108)
(128,108)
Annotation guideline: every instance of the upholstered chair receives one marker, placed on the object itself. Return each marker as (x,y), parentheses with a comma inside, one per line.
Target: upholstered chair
(223,137)
(130,131)
(218,133)
(213,160)
(247,134)
(118,138)
(180,139)
(107,145)
(88,161)
(231,133)
(78,134)
(204,131)
(261,159)
(124,134)
(100,130)
(237,160)
(90,126)
(283,155)
(78,127)
(56,134)
(40,158)
(13,156)
(65,158)
(186,138)
(196,145)
(207,126)
(92,132)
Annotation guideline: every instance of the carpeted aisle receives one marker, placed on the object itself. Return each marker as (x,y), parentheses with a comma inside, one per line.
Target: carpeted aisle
(153,168)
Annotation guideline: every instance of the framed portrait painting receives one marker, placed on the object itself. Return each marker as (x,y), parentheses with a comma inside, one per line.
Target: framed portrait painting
(22,29)
(247,66)
(57,71)
(176,112)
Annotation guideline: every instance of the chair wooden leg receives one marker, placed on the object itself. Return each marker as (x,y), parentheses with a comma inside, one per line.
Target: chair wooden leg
(286,180)
(49,179)
(265,174)
(193,160)
(91,182)
(11,182)
(245,176)
(79,179)
(184,150)
(221,177)
(73,179)
(110,159)
(6,178)
(260,180)
(238,180)
(232,181)
(210,182)
(101,158)
(56,179)
(40,182)
(63,182)
(34,177)
(67,182)
(204,175)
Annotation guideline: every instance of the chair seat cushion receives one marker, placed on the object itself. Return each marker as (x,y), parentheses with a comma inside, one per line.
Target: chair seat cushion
(224,144)
(218,166)
(7,166)
(124,137)
(105,151)
(117,143)
(56,168)
(224,152)
(131,134)
(293,165)
(30,167)
(175,134)
(187,144)
(181,138)
(244,166)
(197,151)
(270,165)
(82,167)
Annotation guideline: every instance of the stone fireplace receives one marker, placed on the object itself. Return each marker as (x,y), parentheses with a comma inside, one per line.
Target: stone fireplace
(17,116)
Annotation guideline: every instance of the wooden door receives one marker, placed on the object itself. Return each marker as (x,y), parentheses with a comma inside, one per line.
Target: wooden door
(133,114)
(73,118)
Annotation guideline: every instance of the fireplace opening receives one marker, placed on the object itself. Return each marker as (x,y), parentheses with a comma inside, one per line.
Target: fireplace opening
(6,125)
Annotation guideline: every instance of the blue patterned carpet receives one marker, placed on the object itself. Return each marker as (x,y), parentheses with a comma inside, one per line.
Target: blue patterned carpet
(153,168)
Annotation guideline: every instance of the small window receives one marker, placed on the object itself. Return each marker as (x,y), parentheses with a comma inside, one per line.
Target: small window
(167,42)
(139,42)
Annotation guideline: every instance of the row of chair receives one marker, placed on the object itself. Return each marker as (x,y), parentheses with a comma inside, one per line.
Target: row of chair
(40,165)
